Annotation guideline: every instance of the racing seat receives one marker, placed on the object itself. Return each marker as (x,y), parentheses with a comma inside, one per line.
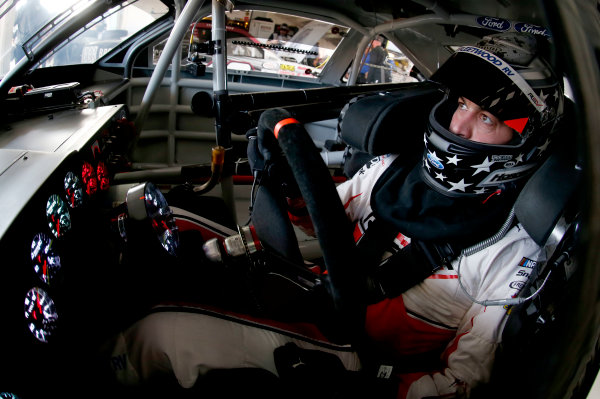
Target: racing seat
(548,208)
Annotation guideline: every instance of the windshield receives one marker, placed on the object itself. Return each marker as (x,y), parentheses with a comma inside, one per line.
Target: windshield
(27,22)
(263,41)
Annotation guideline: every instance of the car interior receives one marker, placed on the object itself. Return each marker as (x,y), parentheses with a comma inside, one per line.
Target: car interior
(129,162)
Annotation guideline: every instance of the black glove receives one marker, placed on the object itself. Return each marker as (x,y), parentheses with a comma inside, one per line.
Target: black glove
(267,143)
(275,164)
(255,158)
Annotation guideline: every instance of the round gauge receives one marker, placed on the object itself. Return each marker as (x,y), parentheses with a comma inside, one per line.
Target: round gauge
(46,261)
(102,173)
(74,190)
(161,218)
(59,219)
(40,314)
(88,174)
(146,201)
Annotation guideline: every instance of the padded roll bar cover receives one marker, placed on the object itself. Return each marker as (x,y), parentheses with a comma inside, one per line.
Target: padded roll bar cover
(389,122)
(545,196)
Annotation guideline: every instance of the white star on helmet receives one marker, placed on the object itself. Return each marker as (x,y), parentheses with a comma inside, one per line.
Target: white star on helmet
(483,167)
(454,160)
(461,185)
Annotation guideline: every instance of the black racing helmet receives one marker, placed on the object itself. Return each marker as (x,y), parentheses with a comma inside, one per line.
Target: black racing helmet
(504,75)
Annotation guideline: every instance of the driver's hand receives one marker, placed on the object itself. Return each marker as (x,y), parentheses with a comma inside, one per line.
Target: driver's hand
(267,143)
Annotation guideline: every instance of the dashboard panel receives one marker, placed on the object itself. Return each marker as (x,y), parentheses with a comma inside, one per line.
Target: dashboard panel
(60,245)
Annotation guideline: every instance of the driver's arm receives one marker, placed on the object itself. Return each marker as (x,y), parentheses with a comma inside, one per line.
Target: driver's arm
(354,193)
(495,273)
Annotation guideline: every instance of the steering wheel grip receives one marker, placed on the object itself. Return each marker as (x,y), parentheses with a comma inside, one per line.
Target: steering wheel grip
(334,230)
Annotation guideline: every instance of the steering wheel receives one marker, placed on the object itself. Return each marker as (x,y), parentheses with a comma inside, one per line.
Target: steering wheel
(346,278)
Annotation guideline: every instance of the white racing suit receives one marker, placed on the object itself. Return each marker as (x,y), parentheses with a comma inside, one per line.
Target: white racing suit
(436,314)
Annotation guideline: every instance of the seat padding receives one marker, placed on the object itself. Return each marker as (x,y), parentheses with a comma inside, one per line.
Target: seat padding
(546,195)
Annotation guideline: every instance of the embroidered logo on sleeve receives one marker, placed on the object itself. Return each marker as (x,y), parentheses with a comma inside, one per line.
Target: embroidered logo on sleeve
(525,267)
(528,263)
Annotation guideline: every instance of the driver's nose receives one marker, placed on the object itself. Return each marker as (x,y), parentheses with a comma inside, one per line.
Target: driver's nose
(462,125)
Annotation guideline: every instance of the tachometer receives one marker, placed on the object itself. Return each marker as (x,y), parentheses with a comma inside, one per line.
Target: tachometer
(46,261)
(59,219)
(40,314)
(161,217)
(146,201)
(74,190)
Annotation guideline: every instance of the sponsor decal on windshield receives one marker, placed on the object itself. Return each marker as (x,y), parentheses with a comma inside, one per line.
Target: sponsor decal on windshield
(531,29)
(498,24)
(285,67)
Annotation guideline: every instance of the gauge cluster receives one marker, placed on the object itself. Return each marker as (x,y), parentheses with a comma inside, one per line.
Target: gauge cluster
(66,217)
(69,208)
(80,257)
(60,255)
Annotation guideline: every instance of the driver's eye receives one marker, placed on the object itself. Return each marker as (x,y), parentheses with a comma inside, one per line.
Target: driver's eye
(486,119)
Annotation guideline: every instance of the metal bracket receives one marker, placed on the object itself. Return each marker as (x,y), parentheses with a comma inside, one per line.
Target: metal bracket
(227,4)
(208,47)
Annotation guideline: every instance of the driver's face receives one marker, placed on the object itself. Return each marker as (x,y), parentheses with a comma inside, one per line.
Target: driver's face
(472,122)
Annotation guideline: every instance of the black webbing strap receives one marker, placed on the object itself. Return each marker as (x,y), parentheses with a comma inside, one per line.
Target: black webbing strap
(403,269)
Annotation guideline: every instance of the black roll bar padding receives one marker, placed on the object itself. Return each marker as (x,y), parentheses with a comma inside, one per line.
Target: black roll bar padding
(284,98)
(334,231)
(266,100)
(244,109)
(223,131)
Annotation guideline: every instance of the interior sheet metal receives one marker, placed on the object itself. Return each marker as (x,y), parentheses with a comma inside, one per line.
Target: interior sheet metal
(49,141)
